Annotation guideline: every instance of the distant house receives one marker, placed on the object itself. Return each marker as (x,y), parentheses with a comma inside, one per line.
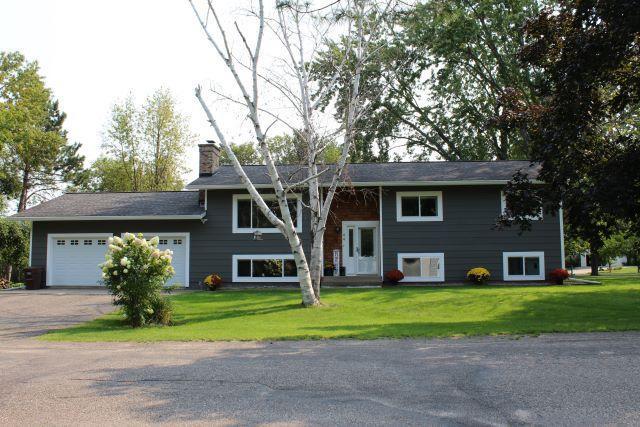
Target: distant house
(432,220)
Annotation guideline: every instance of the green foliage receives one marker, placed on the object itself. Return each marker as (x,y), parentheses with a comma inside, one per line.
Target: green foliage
(618,244)
(14,246)
(444,71)
(144,147)
(584,129)
(135,271)
(397,312)
(285,149)
(37,159)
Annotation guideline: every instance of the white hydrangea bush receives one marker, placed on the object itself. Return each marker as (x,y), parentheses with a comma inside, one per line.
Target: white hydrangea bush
(135,271)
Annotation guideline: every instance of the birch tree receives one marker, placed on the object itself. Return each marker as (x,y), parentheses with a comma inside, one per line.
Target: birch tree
(294,23)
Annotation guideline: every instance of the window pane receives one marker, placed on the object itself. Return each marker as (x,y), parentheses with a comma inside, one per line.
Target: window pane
(514,267)
(532,266)
(410,206)
(411,267)
(428,206)
(351,243)
(259,220)
(244,268)
(267,268)
(244,213)
(290,269)
(293,208)
(366,242)
(430,267)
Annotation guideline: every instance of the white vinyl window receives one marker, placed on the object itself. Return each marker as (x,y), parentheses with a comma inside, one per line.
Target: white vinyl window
(88,242)
(418,206)
(503,208)
(421,267)
(177,241)
(264,268)
(162,241)
(102,242)
(74,242)
(248,218)
(523,265)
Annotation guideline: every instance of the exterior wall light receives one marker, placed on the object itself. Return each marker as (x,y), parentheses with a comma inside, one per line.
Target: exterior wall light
(257,235)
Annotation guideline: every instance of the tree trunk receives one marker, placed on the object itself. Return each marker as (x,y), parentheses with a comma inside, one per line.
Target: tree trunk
(24,191)
(316,265)
(304,274)
(595,262)
(7,272)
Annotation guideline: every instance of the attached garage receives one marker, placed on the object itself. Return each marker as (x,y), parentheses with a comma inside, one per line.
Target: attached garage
(70,234)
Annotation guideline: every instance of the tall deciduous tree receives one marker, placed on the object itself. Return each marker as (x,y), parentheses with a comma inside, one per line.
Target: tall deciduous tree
(284,149)
(446,69)
(144,146)
(14,247)
(585,131)
(295,25)
(37,159)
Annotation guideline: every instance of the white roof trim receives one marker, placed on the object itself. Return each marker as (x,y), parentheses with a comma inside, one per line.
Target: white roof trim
(372,184)
(105,218)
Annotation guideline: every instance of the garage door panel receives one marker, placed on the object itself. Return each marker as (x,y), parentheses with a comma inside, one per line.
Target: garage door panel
(74,260)
(178,243)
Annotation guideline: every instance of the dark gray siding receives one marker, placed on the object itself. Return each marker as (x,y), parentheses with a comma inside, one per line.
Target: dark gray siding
(465,235)
(212,243)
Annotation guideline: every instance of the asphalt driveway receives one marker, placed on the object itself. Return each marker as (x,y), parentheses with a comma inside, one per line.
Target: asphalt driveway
(568,379)
(29,313)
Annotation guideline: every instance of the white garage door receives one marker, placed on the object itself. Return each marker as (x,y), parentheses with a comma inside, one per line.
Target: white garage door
(179,244)
(73,259)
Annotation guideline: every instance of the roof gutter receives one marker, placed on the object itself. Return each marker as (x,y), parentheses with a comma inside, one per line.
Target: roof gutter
(105,218)
(370,184)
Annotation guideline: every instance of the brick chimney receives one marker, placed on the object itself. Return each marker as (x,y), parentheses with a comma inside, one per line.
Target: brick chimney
(209,158)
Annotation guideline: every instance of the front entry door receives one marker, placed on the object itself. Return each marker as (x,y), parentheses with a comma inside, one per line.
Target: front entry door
(360,247)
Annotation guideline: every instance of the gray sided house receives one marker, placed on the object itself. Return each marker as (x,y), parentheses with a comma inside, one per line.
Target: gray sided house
(431,220)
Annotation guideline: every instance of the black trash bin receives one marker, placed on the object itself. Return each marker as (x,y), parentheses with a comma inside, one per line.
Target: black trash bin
(34,278)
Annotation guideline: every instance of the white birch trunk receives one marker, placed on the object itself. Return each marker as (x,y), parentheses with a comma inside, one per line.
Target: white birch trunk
(309,271)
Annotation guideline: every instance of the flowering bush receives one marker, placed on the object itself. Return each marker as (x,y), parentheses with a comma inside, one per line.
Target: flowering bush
(135,272)
(394,276)
(479,275)
(213,281)
(559,275)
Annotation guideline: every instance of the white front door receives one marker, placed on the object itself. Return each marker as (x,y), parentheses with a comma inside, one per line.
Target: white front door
(360,247)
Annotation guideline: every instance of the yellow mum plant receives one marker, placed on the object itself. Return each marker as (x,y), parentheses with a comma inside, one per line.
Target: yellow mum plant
(479,275)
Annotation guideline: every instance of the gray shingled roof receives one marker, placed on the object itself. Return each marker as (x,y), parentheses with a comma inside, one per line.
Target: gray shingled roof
(405,172)
(81,205)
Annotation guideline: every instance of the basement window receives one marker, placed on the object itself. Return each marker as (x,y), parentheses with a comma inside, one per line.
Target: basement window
(264,268)
(421,267)
(523,265)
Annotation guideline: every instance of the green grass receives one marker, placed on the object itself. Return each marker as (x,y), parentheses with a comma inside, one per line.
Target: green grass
(378,313)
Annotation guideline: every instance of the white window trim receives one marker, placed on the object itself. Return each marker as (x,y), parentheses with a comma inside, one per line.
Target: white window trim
(234,269)
(234,213)
(503,209)
(505,266)
(51,238)
(185,235)
(441,273)
(401,194)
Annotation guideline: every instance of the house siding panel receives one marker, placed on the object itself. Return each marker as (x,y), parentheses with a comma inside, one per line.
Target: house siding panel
(466,234)
(212,244)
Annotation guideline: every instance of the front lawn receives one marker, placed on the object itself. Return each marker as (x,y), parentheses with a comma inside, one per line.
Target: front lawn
(378,313)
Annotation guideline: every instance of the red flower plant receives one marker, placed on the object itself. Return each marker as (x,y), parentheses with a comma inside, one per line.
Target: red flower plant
(394,276)
(559,275)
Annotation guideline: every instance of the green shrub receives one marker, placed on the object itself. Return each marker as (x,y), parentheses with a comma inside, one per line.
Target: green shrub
(162,311)
(135,272)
